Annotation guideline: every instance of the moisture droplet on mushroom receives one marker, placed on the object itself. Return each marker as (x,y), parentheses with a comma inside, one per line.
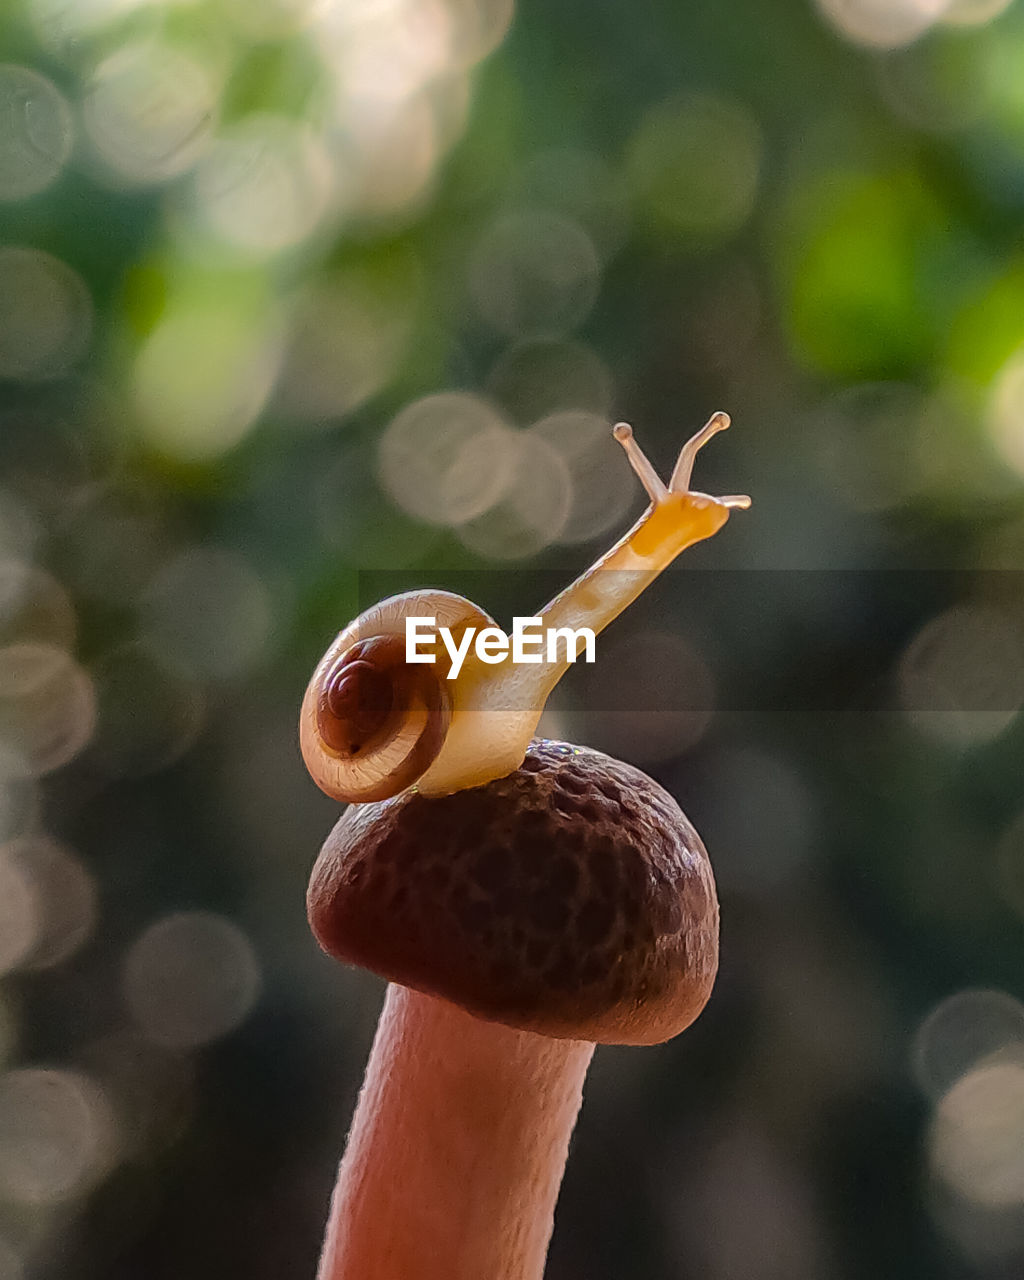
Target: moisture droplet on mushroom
(526,899)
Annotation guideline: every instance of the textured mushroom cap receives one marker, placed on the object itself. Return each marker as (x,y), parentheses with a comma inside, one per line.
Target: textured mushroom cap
(571,898)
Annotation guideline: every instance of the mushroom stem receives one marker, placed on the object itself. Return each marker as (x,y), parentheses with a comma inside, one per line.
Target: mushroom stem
(457,1148)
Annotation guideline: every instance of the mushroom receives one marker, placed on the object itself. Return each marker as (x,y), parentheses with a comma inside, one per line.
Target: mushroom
(518,923)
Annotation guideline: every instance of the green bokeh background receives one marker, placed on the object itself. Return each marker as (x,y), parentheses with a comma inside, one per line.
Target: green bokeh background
(821,237)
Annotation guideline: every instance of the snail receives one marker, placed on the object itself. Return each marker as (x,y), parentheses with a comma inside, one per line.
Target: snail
(372,725)
(525,899)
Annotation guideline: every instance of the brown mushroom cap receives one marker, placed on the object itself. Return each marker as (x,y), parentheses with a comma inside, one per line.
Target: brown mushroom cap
(571,898)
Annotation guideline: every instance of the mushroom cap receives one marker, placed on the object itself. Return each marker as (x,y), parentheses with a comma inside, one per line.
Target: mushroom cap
(571,898)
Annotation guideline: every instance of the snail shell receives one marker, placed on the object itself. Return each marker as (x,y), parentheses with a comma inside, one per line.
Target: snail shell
(371,723)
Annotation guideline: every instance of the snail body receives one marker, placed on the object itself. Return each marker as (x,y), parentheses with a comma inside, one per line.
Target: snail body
(372,724)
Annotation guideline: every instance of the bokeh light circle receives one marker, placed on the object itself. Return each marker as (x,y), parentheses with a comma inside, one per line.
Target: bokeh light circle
(1006,412)
(534,273)
(18,922)
(977,1138)
(602,488)
(532,510)
(209,611)
(447,458)
(47,709)
(34,607)
(264,184)
(35,132)
(61,908)
(148,110)
(476,28)
(962,1031)
(384,54)
(231,356)
(882,24)
(46,315)
(541,376)
(20,809)
(191,978)
(695,163)
(62,25)
(347,336)
(394,157)
(961,678)
(56,1135)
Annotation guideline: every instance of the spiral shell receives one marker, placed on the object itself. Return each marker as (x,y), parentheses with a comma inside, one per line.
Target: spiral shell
(372,724)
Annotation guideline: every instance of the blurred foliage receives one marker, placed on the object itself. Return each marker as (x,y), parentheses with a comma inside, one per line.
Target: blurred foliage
(242,245)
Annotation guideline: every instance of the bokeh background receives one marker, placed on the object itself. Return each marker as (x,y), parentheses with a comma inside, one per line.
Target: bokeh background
(303,297)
